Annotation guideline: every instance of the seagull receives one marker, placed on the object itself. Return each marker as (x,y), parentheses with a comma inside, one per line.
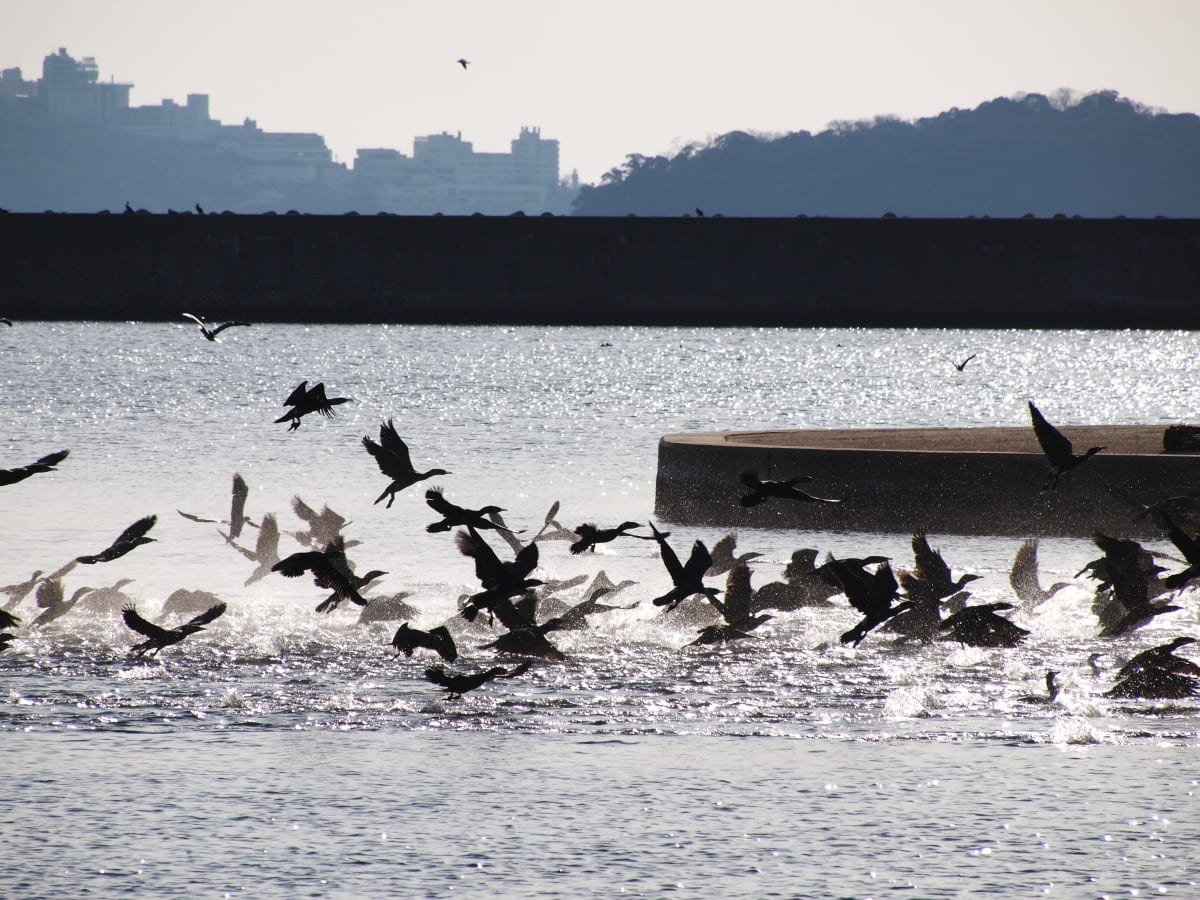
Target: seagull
(439,640)
(304,400)
(463,62)
(391,455)
(158,637)
(211,333)
(962,365)
(45,464)
(131,537)
(456,684)
(785,490)
(1057,448)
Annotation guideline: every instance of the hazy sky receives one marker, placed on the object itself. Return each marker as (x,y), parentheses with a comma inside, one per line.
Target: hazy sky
(608,78)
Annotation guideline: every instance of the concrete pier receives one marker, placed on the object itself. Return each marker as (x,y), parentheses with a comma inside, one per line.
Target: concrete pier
(943,480)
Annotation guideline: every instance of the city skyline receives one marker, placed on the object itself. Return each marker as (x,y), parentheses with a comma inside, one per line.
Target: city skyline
(613,80)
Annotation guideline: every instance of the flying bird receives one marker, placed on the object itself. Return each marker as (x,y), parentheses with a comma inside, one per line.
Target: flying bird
(51,600)
(962,365)
(590,535)
(454,515)
(19,591)
(458,684)
(266,549)
(1057,448)
(785,490)
(209,332)
(687,578)
(237,511)
(131,537)
(871,593)
(1024,577)
(304,400)
(982,626)
(45,464)
(500,580)
(439,640)
(463,62)
(391,455)
(331,571)
(158,637)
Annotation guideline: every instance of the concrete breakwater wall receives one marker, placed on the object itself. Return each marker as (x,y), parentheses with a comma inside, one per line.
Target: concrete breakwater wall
(560,270)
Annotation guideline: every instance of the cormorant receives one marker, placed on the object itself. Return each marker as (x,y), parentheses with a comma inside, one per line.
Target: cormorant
(871,593)
(1024,577)
(108,599)
(387,609)
(981,626)
(237,511)
(458,684)
(266,549)
(6,638)
(391,455)
(331,571)
(158,637)
(304,400)
(1051,694)
(930,586)
(962,365)
(590,535)
(1158,674)
(131,537)
(184,602)
(529,640)
(784,490)
(8,619)
(1057,448)
(19,591)
(575,617)
(45,464)
(1129,582)
(1189,547)
(53,606)
(722,555)
(500,580)
(454,515)
(687,579)
(211,333)
(736,609)
(324,527)
(802,585)
(439,640)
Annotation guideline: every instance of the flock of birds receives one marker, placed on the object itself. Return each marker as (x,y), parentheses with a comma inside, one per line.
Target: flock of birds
(922,602)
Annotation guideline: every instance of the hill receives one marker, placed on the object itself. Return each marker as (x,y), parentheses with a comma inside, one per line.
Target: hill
(1099,156)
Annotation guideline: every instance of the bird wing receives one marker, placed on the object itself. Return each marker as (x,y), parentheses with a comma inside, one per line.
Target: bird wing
(199,321)
(298,563)
(213,612)
(142,626)
(438,676)
(237,505)
(267,545)
(1054,443)
(136,530)
(50,460)
(698,562)
(488,568)
(297,395)
(440,505)
(1024,574)
(225,325)
(195,518)
(304,511)
(669,558)
(49,593)
(527,559)
(394,444)
(1187,545)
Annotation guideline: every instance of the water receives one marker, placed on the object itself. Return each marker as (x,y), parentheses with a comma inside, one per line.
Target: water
(281,753)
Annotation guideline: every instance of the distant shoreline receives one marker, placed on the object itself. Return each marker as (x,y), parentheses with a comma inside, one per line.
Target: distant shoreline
(553,270)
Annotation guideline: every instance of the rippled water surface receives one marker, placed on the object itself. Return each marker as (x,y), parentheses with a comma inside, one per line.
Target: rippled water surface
(285,753)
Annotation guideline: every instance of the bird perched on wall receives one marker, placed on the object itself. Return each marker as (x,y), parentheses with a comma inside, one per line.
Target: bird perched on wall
(1057,448)
(45,464)
(590,535)
(458,684)
(391,455)
(407,639)
(331,571)
(209,332)
(688,579)
(132,537)
(304,400)
(158,637)
(761,490)
(1024,577)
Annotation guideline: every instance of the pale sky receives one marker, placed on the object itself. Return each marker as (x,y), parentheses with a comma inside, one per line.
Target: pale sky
(608,78)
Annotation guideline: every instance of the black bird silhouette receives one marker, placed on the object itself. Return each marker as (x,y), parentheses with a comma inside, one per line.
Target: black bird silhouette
(330,570)
(304,400)
(1024,577)
(687,579)
(9,620)
(158,637)
(1057,448)
(500,580)
(454,516)
(457,684)
(930,586)
(784,490)
(131,537)
(962,365)
(463,62)
(982,626)
(1051,694)
(802,585)
(45,464)
(391,455)
(209,332)
(1129,584)
(1189,547)
(6,638)
(439,640)
(237,511)
(590,535)
(1158,674)
(53,605)
(1162,657)
(7,321)
(529,640)
(871,593)
(737,609)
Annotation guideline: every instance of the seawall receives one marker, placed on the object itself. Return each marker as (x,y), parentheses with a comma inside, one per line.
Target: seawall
(1021,273)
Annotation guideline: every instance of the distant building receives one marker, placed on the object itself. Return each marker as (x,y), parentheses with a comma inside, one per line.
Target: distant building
(446,175)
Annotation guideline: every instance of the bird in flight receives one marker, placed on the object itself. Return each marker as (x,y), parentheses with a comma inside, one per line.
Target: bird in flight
(131,537)
(391,454)
(158,637)
(463,62)
(210,332)
(590,535)
(784,490)
(458,684)
(331,571)
(1057,448)
(962,365)
(439,640)
(45,464)
(688,578)
(304,400)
